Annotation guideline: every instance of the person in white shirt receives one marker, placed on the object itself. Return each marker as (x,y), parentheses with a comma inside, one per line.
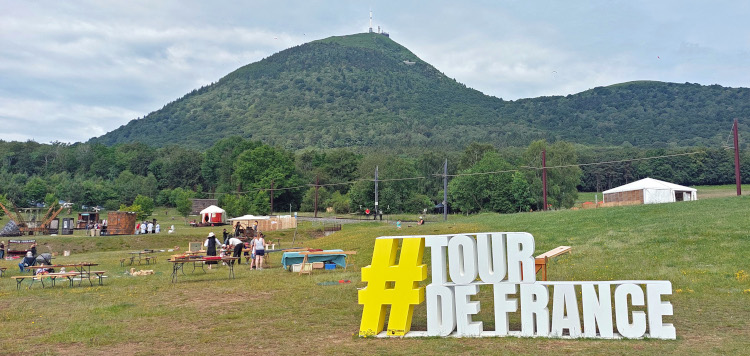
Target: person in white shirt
(150,227)
(238,245)
(158,228)
(259,250)
(143,228)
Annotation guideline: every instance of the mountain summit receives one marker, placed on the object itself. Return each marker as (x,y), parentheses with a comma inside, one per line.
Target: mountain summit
(365,90)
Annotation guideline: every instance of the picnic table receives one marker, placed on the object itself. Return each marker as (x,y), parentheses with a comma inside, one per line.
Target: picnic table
(179,263)
(41,277)
(140,254)
(81,269)
(540,262)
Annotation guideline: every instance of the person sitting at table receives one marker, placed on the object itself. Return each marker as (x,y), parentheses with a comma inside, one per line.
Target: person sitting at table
(210,244)
(29,260)
(238,245)
(259,249)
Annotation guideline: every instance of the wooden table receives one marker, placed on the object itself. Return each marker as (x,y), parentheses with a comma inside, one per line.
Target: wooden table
(178,265)
(540,262)
(83,268)
(140,255)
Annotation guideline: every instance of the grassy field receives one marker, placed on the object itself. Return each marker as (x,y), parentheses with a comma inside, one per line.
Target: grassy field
(700,246)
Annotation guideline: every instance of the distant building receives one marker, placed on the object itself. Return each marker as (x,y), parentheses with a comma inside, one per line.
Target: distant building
(649,191)
(200,204)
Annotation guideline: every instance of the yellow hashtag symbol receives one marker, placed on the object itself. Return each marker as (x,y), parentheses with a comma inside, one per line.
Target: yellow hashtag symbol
(392,284)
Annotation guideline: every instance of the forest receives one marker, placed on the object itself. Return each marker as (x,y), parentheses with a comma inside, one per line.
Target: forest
(240,172)
(356,92)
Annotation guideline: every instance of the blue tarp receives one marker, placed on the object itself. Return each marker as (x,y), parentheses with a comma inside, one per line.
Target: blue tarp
(291,258)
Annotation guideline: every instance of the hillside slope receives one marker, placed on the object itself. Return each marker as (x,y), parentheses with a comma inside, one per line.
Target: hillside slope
(367,91)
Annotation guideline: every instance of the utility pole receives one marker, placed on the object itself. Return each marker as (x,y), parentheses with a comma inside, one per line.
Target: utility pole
(737,159)
(271,198)
(544,178)
(445,190)
(376,193)
(317,185)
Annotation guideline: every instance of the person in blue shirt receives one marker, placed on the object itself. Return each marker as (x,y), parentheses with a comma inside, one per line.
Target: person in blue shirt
(29,260)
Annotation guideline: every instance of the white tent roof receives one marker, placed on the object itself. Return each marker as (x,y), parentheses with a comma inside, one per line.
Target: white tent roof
(249,217)
(649,183)
(212,209)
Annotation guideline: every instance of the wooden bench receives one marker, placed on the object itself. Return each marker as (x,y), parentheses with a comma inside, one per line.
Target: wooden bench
(53,277)
(98,274)
(40,277)
(2,270)
(540,262)
(19,279)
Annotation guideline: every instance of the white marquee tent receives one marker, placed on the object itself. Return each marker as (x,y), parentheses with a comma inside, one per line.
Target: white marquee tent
(213,214)
(650,191)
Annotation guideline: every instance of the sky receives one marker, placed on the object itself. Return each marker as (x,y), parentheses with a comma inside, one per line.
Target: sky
(72,70)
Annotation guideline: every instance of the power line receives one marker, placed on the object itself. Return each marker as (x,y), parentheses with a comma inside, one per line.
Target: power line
(463,174)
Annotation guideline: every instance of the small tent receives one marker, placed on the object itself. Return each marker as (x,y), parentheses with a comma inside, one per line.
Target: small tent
(213,215)
(649,191)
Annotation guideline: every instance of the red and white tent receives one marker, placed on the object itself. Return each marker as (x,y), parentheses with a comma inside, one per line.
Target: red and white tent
(213,215)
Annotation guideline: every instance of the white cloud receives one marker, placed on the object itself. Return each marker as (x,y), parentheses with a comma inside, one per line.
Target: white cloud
(97,64)
(48,121)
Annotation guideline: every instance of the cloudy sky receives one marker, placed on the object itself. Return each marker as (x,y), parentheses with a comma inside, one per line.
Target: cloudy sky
(71,70)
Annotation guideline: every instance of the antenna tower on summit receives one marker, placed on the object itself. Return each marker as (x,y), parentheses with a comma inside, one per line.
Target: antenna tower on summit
(370,21)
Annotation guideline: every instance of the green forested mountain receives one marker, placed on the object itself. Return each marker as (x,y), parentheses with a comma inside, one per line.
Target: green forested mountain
(367,91)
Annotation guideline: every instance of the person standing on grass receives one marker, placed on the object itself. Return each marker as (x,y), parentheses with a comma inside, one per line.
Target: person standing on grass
(150,227)
(238,246)
(2,250)
(143,228)
(259,250)
(157,228)
(226,236)
(210,244)
(398,224)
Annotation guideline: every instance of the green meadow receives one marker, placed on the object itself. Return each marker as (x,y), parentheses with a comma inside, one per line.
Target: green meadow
(701,247)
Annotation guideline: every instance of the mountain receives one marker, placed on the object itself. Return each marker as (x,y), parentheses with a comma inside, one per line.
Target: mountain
(367,91)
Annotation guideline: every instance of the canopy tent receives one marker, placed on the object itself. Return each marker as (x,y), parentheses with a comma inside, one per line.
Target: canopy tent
(213,215)
(649,191)
(265,223)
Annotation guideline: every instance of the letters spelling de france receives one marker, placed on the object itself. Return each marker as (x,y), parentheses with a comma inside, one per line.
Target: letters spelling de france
(505,261)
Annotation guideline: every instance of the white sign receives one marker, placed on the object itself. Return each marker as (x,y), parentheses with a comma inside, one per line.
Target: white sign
(504,260)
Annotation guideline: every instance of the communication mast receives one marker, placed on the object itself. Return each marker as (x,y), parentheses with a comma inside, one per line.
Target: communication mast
(370,21)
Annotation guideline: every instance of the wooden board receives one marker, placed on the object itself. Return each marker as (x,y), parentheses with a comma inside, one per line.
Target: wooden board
(557,251)
(194,246)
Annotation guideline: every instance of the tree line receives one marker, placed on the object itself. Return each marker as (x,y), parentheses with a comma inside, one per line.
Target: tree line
(241,172)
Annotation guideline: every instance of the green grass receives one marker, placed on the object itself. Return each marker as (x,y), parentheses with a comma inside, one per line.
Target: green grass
(701,247)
